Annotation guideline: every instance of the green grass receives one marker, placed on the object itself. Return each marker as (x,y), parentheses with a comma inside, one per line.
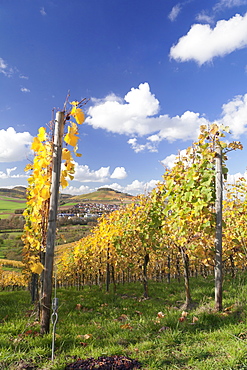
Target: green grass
(9,205)
(93,323)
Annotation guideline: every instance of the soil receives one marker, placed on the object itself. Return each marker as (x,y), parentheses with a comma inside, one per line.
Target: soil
(105,363)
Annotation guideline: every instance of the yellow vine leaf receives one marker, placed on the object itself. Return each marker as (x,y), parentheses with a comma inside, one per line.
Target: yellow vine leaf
(42,134)
(66,155)
(36,144)
(37,268)
(71,138)
(78,114)
(64,183)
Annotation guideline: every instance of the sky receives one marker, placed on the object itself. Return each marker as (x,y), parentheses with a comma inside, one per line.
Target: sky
(152,71)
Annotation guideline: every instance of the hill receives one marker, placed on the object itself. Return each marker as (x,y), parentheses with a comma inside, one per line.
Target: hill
(103,195)
(16,192)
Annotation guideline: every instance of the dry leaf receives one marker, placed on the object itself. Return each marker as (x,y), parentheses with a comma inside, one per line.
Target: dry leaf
(184,314)
(160,314)
(87,336)
(126,326)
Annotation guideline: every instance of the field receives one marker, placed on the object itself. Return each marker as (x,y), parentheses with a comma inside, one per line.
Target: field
(9,205)
(154,331)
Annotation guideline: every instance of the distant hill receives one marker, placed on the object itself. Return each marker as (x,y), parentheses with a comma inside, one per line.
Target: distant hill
(16,192)
(103,195)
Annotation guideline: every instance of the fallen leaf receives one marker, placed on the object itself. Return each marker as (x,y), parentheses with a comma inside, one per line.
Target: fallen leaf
(160,314)
(87,336)
(126,326)
(181,319)
(184,314)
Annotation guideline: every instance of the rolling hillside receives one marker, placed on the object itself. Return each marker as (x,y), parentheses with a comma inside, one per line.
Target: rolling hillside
(18,194)
(103,195)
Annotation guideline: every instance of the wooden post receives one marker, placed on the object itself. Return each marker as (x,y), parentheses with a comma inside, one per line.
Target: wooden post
(51,230)
(218,235)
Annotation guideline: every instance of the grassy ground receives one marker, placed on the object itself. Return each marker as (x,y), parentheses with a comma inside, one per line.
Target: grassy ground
(92,323)
(9,205)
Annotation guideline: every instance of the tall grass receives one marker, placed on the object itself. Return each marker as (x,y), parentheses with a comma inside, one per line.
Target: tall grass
(154,331)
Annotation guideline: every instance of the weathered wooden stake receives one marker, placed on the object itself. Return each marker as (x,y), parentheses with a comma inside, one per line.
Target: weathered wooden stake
(51,230)
(218,236)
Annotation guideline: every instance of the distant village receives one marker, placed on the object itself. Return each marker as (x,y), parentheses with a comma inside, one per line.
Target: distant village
(87,210)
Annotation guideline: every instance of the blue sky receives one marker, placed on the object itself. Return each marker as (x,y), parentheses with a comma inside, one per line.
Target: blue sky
(153,71)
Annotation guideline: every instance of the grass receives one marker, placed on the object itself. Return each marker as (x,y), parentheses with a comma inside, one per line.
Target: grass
(93,323)
(9,205)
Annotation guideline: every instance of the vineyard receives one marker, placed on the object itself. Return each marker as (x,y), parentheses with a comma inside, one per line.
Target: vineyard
(192,225)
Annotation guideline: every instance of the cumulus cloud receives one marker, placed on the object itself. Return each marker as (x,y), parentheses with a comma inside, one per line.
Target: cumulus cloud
(234,115)
(77,191)
(202,43)
(174,12)
(127,116)
(140,187)
(14,146)
(171,159)
(119,173)
(136,187)
(84,174)
(233,178)
(136,114)
(147,131)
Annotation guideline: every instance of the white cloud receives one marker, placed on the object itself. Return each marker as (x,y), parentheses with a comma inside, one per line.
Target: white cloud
(128,116)
(140,187)
(8,175)
(202,43)
(228,4)
(4,69)
(137,115)
(23,77)
(141,147)
(84,174)
(135,188)
(161,127)
(119,173)
(25,90)
(14,146)
(234,115)
(77,191)
(9,170)
(232,179)
(174,12)
(42,11)
(171,159)
(203,17)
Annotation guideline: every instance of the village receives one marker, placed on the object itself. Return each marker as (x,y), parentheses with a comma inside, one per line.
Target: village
(87,210)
